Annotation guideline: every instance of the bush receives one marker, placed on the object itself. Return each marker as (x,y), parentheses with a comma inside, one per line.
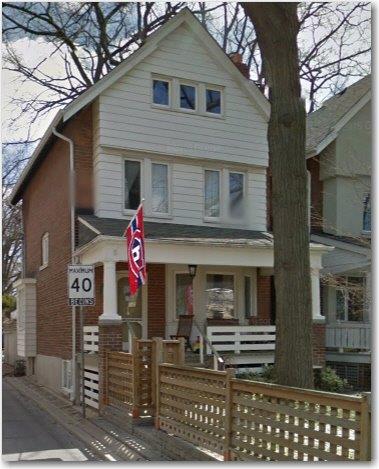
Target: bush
(325,379)
(328,380)
(19,368)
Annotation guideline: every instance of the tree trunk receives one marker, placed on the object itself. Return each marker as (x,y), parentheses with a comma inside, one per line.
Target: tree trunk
(276,26)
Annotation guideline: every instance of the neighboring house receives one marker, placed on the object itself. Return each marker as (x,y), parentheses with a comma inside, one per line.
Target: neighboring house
(339,162)
(180,125)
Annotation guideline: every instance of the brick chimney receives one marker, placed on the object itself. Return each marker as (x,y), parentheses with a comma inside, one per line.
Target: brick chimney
(237,60)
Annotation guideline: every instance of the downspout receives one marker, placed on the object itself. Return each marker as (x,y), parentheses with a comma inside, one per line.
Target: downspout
(72,230)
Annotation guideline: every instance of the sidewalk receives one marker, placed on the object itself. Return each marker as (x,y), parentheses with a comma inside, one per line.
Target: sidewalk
(103,438)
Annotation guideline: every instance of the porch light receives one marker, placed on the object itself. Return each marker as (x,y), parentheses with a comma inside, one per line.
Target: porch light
(192,268)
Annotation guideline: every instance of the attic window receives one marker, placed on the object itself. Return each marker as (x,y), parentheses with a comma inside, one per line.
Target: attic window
(187,97)
(213,101)
(161,92)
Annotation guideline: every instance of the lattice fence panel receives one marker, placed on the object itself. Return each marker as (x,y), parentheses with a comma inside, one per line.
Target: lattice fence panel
(143,354)
(120,380)
(192,405)
(277,423)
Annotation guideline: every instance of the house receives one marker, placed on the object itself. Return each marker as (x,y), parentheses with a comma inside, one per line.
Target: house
(339,163)
(179,124)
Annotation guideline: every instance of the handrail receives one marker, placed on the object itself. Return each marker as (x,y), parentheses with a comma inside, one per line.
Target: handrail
(219,358)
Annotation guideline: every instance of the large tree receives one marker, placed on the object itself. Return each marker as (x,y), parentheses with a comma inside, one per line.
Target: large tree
(277,26)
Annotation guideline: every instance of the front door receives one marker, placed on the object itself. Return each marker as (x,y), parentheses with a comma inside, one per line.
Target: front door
(130,309)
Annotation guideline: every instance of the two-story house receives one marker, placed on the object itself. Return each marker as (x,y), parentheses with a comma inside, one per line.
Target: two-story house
(180,125)
(339,162)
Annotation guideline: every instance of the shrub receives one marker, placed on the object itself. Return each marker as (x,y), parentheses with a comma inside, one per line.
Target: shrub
(266,376)
(328,380)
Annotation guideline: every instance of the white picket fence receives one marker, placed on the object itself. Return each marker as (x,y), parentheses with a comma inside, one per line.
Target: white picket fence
(247,347)
(91,373)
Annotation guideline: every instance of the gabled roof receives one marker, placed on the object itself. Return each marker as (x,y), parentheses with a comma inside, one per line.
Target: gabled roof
(324,124)
(185,16)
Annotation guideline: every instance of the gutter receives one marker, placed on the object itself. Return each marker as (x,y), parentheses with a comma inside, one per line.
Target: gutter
(72,233)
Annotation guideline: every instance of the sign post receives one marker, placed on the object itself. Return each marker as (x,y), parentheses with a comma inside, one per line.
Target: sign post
(81,292)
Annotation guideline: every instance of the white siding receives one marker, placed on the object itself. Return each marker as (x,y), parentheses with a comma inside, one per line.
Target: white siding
(26,318)
(125,120)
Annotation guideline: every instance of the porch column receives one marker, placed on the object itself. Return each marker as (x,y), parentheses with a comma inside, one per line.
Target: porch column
(110,314)
(316,304)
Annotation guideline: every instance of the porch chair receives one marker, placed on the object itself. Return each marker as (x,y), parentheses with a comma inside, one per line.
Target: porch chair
(184,329)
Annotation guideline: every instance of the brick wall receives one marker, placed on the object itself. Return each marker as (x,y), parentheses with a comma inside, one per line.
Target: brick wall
(156,300)
(110,339)
(46,209)
(318,341)
(264,301)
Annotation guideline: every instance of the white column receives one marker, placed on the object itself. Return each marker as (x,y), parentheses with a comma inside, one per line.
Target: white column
(315,283)
(109,293)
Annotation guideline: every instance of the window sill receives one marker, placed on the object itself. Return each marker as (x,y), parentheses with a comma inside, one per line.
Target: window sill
(187,111)
(43,267)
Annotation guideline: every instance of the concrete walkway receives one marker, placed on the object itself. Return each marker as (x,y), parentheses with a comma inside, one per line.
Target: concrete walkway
(29,434)
(103,440)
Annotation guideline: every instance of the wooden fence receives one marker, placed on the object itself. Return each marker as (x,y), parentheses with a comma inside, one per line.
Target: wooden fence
(247,420)
(130,377)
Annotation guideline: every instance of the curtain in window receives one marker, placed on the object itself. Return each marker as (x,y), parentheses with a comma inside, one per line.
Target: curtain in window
(160,188)
(132,184)
(236,194)
(219,296)
(212,193)
(184,294)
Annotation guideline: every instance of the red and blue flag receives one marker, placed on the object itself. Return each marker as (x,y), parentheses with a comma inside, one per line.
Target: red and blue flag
(135,245)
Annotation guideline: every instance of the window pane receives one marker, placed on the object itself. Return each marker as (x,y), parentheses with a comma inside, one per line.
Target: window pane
(340,305)
(356,295)
(219,296)
(213,101)
(160,188)
(212,193)
(248,294)
(132,184)
(161,92)
(236,195)
(187,97)
(184,294)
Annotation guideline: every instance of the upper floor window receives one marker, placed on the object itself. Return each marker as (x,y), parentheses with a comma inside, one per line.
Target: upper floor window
(212,193)
(213,101)
(132,184)
(160,193)
(236,195)
(187,97)
(45,250)
(367,214)
(161,92)
(181,95)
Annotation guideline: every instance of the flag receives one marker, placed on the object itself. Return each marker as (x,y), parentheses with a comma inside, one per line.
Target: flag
(135,246)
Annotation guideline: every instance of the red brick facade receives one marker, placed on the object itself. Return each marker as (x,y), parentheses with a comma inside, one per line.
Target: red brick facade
(318,340)
(156,300)
(46,209)
(110,339)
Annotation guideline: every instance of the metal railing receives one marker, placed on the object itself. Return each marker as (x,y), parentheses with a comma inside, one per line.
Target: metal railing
(218,361)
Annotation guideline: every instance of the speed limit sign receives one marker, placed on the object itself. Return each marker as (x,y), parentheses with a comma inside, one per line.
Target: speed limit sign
(81,279)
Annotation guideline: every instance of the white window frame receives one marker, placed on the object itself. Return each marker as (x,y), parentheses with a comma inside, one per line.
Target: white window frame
(227,208)
(66,389)
(344,290)
(222,272)
(207,218)
(129,211)
(170,86)
(194,85)
(45,250)
(150,186)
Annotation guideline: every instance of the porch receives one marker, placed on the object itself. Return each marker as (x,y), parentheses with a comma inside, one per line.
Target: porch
(230,295)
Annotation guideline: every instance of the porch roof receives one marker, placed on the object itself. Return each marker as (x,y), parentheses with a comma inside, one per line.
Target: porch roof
(91,226)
